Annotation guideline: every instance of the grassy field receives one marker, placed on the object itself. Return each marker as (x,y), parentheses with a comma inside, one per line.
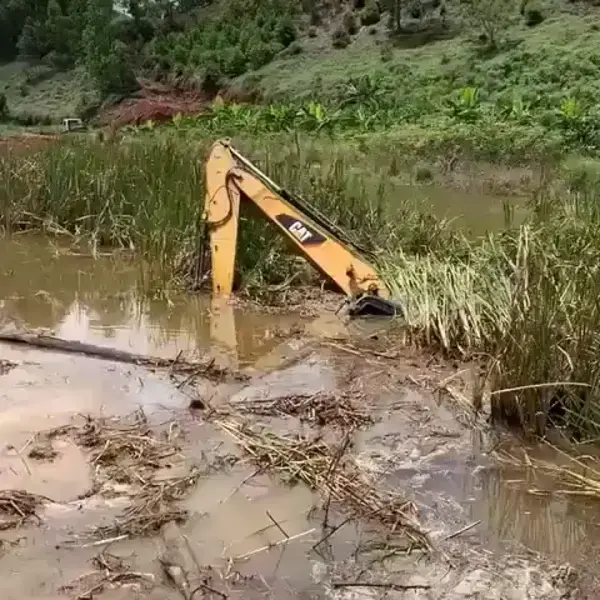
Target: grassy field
(526,297)
(558,58)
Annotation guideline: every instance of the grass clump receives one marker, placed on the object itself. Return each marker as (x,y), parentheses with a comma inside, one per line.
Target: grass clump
(549,350)
(146,197)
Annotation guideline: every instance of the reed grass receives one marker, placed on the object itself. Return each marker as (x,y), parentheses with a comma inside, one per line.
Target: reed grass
(148,195)
(527,298)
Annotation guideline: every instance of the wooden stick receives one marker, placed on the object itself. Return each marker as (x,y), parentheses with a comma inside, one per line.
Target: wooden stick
(49,342)
(269,546)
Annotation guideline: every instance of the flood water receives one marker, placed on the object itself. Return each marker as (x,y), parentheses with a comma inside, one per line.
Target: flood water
(474,213)
(95,300)
(77,297)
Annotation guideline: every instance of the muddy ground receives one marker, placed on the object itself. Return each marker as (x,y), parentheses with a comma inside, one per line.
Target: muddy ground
(340,467)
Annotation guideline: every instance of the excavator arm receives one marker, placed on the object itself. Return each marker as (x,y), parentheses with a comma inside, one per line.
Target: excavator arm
(231,179)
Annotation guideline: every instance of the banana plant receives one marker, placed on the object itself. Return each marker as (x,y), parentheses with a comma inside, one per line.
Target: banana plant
(315,117)
(515,108)
(466,106)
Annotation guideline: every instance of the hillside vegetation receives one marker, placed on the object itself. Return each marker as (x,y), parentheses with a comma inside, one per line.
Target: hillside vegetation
(432,71)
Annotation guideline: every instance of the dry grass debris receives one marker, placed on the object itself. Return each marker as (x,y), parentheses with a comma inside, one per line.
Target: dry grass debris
(128,451)
(109,572)
(345,410)
(329,470)
(152,508)
(18,507)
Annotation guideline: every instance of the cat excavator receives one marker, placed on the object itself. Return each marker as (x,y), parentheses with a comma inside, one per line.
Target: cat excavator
(231,179)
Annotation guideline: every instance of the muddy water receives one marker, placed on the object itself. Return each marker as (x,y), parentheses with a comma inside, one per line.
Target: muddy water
(474,212)
(419,446)
(44,286)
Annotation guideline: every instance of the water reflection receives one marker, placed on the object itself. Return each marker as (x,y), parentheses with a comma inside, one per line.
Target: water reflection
(97,300)
(562,527)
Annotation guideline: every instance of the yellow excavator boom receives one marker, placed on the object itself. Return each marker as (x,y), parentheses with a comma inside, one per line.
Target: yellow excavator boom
(231,179)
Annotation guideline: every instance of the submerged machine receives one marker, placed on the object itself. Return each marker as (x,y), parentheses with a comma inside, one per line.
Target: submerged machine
(231,179)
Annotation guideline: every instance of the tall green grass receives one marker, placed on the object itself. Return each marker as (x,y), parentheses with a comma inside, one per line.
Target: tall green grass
(148,195)
(528,302)
(140,196)
(527,299)
(549,350)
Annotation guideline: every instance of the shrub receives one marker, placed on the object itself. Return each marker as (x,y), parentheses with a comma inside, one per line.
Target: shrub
(423,174)
(340,38)
(212,79)
(286,32)
(261,53)
(370,14)
(533,17)
(312,32)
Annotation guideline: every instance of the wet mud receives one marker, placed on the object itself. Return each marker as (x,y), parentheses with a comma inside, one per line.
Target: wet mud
(341,468)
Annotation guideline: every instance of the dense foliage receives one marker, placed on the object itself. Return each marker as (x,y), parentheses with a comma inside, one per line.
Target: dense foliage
(154,36)
(207,41)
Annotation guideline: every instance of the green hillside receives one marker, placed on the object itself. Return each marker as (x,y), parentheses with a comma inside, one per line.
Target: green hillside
(517,69)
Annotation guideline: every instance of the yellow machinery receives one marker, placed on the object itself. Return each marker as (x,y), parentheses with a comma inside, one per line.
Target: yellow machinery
(231,179)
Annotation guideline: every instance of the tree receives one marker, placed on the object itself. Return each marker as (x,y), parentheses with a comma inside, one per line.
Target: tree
(395,9)
(492,17)
(33,42)
(106,59)
(61,35)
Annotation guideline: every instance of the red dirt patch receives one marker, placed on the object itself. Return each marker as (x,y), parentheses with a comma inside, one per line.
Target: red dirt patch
(154,102)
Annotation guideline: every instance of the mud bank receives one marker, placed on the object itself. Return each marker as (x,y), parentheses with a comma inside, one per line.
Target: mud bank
(172,502)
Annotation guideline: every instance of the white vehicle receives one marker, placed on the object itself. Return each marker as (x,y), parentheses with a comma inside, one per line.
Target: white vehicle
(72,124)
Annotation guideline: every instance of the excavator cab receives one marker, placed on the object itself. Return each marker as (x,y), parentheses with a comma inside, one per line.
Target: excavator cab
(230,179)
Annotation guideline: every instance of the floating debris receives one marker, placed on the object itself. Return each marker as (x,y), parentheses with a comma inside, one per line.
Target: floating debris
(329,470)
(346,410)
(109,572)
(18,507)
(128,451)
